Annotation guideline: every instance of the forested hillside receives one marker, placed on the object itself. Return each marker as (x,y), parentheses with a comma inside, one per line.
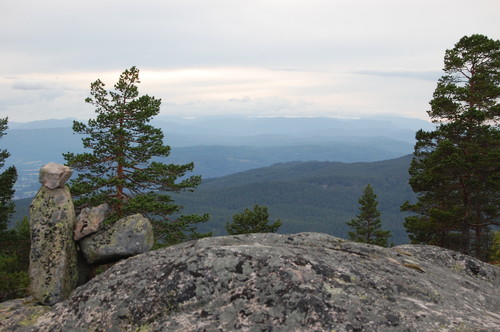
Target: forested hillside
(306,196)
(313,186)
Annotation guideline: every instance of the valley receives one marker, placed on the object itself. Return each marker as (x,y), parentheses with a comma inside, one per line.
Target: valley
(310,172)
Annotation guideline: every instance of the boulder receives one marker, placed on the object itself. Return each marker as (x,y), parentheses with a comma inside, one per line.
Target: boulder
(19,314)
(301,282)
(54,175)
(53,257)
(127,237)
(90,221)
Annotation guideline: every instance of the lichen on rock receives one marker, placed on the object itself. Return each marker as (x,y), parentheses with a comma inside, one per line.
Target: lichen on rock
(19,314)
(127,237)
(53,257)
(300,282)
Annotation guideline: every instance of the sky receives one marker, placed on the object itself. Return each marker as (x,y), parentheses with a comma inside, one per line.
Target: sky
(258,58)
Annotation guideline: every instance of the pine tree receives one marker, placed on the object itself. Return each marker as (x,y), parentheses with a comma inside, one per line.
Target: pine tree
(367,224)
(256,221)
(456,168)
(14,261)
(122,165)
(13,254)
(7,180)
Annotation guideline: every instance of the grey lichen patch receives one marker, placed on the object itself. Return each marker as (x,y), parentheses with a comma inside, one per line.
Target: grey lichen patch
(300,282)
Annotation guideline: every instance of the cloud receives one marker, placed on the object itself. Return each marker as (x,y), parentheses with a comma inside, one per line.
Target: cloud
(340,58)
(426,75)
(244,99)
(227,90)
(310,35)
(29,85)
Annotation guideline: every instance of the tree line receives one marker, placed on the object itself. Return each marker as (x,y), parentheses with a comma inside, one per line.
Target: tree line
(455,170)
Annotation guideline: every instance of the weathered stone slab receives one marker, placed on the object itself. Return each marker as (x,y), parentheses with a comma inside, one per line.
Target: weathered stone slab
(53,257)
(54,175)
(127,237)
(300,282)
(90,221)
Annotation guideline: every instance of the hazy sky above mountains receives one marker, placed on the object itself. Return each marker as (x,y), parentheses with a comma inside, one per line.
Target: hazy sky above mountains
(344,58)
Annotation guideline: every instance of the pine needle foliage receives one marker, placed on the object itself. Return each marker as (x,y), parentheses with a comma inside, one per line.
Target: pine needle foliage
(456,168)
(121,164)
(7,180)
(367,224)
(252,221)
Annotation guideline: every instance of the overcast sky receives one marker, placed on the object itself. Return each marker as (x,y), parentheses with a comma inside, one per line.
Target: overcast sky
(346,58)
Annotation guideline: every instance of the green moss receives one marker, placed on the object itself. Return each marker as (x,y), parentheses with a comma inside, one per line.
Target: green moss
(32,318)
(21,312)
(143,328)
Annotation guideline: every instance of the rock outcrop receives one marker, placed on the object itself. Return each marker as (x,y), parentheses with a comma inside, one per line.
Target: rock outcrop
(53,258)
(271,282)
(127,237)
(20,314)
(90,221)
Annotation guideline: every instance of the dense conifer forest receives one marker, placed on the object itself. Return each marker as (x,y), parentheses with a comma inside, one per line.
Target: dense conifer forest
(307,196)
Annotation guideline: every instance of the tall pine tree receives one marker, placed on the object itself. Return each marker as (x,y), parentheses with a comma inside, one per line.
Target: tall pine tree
(367,224)
(7,180)
(456,168)
(122,165)
(14,248)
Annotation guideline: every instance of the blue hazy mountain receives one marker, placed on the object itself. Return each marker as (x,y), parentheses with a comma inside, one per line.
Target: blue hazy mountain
(224,145)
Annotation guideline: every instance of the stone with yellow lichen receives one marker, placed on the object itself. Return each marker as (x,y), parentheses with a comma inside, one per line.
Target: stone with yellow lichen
(127,237)
(53,257)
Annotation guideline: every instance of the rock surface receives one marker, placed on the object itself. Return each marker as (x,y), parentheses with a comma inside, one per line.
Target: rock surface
(19,314)
(90,221)
(54,175)
(53,257)
(271,282)
(127,237)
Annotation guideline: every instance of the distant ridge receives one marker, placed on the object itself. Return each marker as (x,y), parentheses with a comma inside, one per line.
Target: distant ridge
(220,145)
(43,124)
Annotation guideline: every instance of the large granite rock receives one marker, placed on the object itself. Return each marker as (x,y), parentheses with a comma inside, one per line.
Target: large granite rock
(301,282)
(53,258)
(127,237)
(20,314)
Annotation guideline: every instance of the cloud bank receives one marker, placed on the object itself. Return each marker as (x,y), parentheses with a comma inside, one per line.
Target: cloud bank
(273,57)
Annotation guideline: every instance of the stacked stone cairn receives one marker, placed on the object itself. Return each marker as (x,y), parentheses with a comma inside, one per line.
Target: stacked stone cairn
(53,257)
(59,239)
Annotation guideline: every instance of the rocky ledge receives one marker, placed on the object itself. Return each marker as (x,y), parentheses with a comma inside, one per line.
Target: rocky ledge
(271,282)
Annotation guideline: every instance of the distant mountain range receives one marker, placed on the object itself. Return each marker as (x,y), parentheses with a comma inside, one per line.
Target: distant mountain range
(220,145)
